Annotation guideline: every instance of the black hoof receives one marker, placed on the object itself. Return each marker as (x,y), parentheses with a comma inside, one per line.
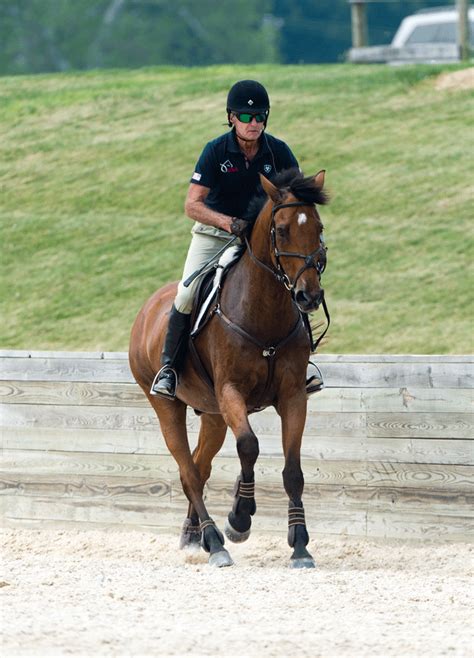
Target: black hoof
(234,535)
(220,559)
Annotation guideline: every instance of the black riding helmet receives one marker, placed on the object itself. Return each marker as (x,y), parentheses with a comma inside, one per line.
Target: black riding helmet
(248,96)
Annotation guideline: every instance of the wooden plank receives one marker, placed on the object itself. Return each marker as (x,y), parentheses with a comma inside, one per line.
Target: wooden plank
(318,425)
(394,358)
(87,440)
(66,369)
(270,497)
(73,393)
(323,358)
(144,418)
(159,514)
(419,526)
(17,463)
(434,425)
(112,443)
(338,399)
(394,374)
(420,476)
(451,477)
(399,375)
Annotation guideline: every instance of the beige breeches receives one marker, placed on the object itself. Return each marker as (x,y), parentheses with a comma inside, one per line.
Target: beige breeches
(202,248)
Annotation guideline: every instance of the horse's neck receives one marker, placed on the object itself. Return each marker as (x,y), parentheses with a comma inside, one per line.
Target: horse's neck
(255,298)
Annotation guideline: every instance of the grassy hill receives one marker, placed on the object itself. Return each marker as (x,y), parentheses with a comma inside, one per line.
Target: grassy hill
(94,168)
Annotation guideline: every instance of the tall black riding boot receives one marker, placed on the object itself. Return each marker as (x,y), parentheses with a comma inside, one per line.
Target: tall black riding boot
(173,354)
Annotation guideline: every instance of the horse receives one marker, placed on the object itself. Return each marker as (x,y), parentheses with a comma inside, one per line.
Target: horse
(254,349)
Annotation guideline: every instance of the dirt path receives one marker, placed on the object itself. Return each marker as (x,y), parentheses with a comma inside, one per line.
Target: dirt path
(103,593)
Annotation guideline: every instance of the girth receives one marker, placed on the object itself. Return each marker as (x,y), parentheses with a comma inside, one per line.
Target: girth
(269,352)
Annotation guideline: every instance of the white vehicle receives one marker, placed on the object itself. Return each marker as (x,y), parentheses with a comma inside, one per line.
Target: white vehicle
(429,36)
(431,26)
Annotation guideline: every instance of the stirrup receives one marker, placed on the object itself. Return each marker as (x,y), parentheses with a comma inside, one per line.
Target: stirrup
(314,379)
(161,394)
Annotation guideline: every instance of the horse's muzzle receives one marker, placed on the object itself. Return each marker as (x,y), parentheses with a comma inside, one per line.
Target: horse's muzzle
(309,301)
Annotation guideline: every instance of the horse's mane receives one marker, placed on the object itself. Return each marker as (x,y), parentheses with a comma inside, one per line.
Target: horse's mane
(290,180)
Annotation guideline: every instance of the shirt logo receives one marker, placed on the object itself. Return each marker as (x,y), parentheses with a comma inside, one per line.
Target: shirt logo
(250,101)
(267,168)
(196,176)
(227,167)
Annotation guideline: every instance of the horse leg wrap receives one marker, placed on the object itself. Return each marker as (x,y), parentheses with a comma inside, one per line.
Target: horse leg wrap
(212,539)
(190,535)
(297,532)
(239,520)
(244,497)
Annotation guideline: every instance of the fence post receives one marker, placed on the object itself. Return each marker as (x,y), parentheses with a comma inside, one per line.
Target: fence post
(359,23)
(463,29)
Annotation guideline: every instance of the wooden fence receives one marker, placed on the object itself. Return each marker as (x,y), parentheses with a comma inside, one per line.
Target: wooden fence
(387,449)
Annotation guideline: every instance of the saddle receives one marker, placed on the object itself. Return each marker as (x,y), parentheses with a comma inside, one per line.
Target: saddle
(205,302)
(210,287)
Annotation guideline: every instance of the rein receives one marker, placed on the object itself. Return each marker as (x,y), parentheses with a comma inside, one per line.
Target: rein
(316,259)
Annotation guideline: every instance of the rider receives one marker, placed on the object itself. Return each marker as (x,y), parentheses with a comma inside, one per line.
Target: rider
(226,177)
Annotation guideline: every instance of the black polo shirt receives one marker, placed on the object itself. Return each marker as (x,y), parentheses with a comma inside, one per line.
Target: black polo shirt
(232,179)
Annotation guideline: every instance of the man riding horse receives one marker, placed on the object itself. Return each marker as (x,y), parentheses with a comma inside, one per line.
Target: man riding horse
(225,179)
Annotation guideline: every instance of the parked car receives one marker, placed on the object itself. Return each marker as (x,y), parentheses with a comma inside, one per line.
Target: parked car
(430,36)
(438,25)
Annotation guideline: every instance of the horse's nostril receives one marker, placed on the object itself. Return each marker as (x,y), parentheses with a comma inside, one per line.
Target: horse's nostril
(307,300)
(302,297)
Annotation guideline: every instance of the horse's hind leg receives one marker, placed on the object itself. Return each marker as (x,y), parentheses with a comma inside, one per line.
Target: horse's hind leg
(172,417)
(211,437)
(293,417)
(234,411)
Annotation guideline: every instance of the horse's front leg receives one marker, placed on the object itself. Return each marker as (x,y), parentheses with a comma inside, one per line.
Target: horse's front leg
(293,418)
(234,411)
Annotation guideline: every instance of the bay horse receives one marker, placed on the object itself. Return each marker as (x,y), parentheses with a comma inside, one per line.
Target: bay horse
(255,348)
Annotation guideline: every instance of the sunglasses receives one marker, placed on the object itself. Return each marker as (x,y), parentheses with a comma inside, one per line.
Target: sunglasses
(246,117)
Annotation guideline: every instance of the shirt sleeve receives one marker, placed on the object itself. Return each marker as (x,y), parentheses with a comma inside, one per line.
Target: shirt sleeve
(205,171)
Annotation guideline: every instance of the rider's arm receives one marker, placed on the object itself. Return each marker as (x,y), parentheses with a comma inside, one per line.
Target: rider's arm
(196,209)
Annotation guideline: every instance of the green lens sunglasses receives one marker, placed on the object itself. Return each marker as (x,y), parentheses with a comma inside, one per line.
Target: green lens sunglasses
(246,117)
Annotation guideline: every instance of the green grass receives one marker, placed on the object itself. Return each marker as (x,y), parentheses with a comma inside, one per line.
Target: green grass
(94,168)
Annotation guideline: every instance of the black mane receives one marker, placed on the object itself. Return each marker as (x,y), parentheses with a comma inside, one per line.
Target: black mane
(290,180)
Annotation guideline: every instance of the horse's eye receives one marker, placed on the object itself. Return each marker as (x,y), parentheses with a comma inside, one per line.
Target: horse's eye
(282,232)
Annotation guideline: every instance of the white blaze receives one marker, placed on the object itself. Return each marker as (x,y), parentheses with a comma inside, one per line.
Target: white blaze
(302,219)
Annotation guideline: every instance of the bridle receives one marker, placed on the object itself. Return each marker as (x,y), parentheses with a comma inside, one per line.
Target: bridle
(316,259)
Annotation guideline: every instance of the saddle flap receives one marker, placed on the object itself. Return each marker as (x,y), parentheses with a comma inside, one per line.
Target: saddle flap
(209,286)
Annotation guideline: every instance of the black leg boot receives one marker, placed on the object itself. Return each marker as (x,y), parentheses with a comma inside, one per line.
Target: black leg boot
(173,354)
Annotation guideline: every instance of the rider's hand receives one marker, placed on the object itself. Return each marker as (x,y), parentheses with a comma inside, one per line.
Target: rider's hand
(240,227)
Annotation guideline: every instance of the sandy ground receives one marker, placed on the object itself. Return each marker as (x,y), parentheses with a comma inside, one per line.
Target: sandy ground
(108,593)
(456,81)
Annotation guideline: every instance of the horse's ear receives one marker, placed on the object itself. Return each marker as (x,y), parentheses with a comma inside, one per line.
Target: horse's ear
(319,179)
(269,188)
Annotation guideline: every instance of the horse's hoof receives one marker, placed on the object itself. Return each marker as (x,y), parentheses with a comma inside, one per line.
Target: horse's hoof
(191,547)
(190,538)
(302,563)
(234,535)
(220,559)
